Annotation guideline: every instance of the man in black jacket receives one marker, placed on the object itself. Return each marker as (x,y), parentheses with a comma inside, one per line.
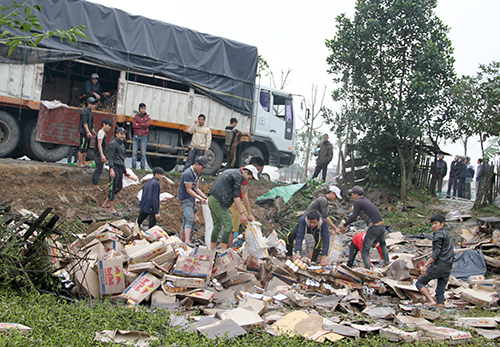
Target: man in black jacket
(461,174)
(441,171)
(439,264)
(452,180)
(116,162)
(86,130)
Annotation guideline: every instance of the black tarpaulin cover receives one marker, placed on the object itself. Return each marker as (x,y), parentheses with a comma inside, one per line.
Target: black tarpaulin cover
(223,69)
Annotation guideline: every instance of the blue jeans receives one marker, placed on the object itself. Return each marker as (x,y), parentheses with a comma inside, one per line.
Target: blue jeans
(143,141)
(375,232)
(188,218)
(442,273)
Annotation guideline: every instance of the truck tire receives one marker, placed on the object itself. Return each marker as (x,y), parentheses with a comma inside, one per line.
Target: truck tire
(248,154)
(17,153)
(215,156)
(166,164)
(41,151)
(10,134)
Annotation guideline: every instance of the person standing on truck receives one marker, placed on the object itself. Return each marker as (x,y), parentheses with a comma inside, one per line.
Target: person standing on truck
(86,129)
(200,141)
(325,156)
(373,219)
(140,124)
(150,200)
(92,88)
(189,191)
(224,192)
(100,152)
(116,162)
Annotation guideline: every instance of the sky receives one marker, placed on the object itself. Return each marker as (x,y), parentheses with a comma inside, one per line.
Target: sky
(292,34)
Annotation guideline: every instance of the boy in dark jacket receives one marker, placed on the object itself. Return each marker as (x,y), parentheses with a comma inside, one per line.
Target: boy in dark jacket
(150,200)
(86,130)
(439,264)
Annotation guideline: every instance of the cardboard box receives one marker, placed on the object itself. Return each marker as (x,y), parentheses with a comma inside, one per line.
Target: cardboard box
(146,266)
(168,255)
(204,296)
(133,338)
(85,277)
(152,250)
(478,297)
(111,277)
(419,262)
(441,333)
(129,251)
(346,274)
(189,282)
(108,236)
(123,226)
(395,335)
(116,246)
(14,326)
(227,263)
(142,287)
(477,322)
(155,234)
(245,318)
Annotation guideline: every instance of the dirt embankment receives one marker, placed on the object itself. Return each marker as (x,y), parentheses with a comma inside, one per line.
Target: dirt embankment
(35,186)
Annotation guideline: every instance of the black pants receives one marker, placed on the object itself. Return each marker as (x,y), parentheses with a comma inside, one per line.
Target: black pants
(319,168)
(452,184)
(116,183)
(353,252)
(290,238)
(460,187)
(99,166)
(143,216)
(192,155)
(84,143)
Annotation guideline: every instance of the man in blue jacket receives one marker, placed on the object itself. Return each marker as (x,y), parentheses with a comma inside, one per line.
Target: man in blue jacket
(312,235)
(150,200)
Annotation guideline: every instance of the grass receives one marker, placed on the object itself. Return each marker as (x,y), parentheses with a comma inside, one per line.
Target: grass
(56,322)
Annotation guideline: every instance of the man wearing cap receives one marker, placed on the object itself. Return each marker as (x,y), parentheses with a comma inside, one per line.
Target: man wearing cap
(150,199)
(468,178)
(258,162)
(92,88)
(321,205)
(373,219)
(200,141)
(452,180)
(441,171)
(189,191)
(325,155)
(224,191)
(86,129)
(140,124)
(116,162)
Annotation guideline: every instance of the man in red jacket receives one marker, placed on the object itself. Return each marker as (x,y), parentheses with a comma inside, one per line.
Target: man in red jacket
(357,244)
(140,124)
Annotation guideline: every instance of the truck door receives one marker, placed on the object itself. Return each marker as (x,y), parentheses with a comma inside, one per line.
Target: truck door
(281,122)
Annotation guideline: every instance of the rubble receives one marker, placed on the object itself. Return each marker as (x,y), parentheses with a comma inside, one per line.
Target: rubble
(239,291)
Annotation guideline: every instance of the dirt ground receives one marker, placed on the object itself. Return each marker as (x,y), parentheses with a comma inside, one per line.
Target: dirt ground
(34,186)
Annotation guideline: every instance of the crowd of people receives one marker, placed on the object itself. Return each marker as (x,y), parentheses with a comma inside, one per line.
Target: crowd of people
(461,176)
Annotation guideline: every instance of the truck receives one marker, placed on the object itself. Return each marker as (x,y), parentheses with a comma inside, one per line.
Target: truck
(177,72)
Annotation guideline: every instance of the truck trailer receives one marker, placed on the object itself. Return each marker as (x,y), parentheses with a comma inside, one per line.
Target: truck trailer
(177,72)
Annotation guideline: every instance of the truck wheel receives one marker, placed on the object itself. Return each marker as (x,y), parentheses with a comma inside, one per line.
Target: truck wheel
(17,153)
(10,134)
(214,156)
(248,154)
(42,151)
(265,177)
(166,164)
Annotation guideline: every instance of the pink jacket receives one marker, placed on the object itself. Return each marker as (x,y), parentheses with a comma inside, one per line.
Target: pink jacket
(141,124)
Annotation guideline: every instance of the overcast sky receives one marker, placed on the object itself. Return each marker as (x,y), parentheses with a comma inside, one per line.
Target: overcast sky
(291,34)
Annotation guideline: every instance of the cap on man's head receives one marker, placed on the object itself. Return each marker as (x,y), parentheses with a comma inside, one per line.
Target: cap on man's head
(468,158)
(121,130)
(253,170)
(336,190)
(94,75)
(457,156)
(158,170)
(203,161)
(357,190)
(91,100)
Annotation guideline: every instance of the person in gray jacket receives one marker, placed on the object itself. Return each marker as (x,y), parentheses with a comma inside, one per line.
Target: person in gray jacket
(439,264)
(441,171)
(325,156)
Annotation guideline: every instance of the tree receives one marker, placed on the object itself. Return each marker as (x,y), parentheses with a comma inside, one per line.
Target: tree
(394,61)
(302,147)
(20,18)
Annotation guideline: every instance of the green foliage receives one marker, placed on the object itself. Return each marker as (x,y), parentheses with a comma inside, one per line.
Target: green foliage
(301,146)
(395,66)
(262,66)
(18,20)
